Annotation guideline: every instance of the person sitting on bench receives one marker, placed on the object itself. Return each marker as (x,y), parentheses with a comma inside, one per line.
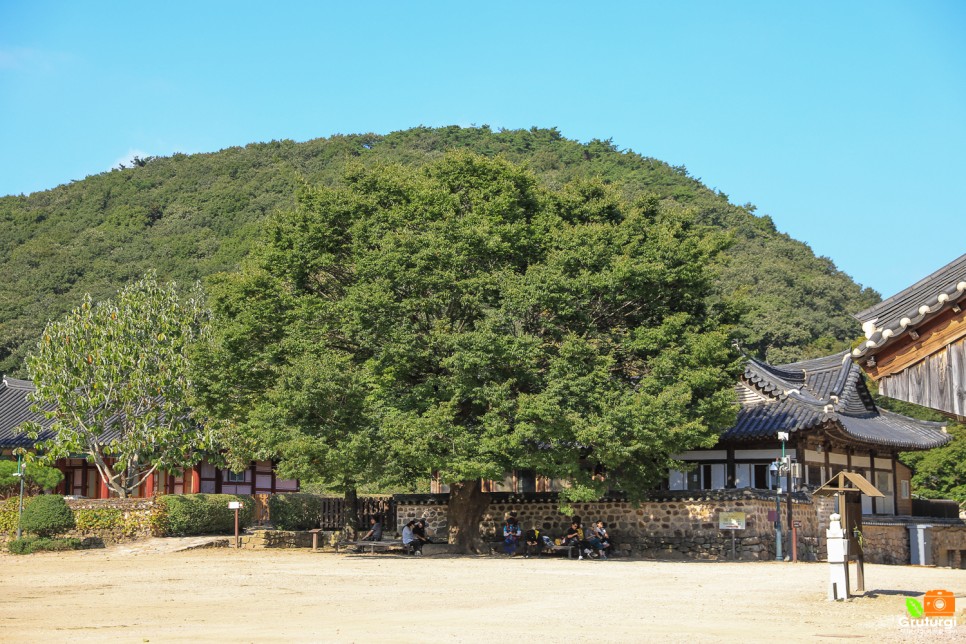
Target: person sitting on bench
(604,537)
(574,537)
(419,531)
(533,542)
(594,542)
(410,542)
(375,530)
(511,536)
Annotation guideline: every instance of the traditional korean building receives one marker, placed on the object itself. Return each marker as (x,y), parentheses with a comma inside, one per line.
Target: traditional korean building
(82,478)
(915,346)
(832,425)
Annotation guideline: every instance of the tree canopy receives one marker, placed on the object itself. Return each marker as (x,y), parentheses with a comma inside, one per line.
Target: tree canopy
(191,216)
(112,379)
(463,319)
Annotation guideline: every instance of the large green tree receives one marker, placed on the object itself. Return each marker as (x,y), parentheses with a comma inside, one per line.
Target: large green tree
(112,379)
(465,321)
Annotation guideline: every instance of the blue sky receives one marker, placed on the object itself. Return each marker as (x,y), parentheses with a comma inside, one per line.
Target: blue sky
(844,121)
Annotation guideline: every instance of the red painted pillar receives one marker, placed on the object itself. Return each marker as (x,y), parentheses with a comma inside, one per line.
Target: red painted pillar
(195,479)
(149,486)
(103,492)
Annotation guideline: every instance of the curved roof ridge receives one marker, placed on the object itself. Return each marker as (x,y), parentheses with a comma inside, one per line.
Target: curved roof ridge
(789,376)
(895,315)
(823,363)
(14,383)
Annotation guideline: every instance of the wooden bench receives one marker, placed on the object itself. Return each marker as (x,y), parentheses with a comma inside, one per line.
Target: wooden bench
(555,548)
(497,547)
(371,545)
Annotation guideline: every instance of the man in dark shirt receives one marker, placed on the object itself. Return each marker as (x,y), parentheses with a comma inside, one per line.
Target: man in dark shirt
(419,531)
(375,530)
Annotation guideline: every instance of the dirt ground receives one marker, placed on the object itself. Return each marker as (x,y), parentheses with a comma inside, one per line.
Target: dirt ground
(148,594)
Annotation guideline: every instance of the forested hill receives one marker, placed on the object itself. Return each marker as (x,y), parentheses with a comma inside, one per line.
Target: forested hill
(189,216)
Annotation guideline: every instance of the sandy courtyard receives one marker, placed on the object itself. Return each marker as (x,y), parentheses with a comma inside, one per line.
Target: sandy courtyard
(221,595)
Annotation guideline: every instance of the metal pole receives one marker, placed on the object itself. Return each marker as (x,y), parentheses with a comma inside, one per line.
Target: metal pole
(778,525)
(20,473)
(236,529)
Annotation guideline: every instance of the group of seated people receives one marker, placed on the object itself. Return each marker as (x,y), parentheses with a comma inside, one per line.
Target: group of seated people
(413,534)
(593,541)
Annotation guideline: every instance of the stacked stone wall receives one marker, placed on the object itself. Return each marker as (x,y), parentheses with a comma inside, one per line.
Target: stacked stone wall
(286,539)
(885,544)
(133,520)
(948,545)
(671,525)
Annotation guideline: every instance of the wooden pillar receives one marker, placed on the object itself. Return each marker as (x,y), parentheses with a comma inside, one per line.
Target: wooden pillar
(219,475)
(254,470)
(800,457)
(68,476)
(730,467)
(848,456)
(895,486)
(83,490)
(828,463)
(195,479)
(103,492)
(149,485)
(872,476)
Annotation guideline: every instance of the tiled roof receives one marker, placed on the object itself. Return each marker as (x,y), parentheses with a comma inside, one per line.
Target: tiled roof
(14,411)
(825,392)
(927,297)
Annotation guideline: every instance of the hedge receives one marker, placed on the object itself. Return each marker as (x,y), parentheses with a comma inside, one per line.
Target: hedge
(8,513)
(191,514)
(295,511)
(28,545)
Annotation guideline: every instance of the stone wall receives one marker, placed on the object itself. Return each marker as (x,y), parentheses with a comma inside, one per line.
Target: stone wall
(673,524)
(885,544)
(286,539)
(949,545)
(111,520)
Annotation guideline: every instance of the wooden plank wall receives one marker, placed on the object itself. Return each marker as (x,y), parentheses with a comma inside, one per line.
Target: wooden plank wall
(938,381)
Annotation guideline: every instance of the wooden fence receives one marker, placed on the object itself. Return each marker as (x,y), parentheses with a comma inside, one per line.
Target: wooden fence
(938,508)
(369,506)
(333,507)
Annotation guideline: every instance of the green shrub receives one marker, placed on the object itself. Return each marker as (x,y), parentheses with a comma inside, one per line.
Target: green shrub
(28,545)
(93,519)
(8,513)
(37,478)
(48,515)
(190,514)
(295,511)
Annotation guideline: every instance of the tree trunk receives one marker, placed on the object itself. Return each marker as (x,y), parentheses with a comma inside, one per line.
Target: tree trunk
(467,504)
(350,513)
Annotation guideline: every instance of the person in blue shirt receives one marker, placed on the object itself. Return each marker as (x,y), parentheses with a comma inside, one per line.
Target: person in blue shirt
(511,535)
(411,543)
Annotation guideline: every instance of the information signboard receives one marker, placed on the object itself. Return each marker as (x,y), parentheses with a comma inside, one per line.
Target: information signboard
(731,520)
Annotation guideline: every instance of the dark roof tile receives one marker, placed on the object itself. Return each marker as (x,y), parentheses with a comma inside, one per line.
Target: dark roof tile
(805,395)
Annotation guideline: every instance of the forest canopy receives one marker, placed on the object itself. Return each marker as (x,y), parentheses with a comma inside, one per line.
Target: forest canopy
(191,216)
